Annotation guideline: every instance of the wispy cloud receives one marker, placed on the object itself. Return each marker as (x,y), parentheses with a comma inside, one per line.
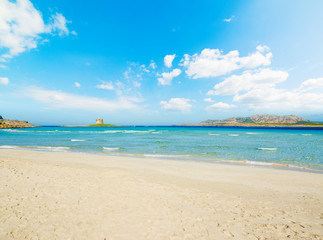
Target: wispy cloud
(220,106)
(208,100)
(76,84)
(177,104)
(63,100)
(4,81)
(276,99)
(105,85)
(228,19)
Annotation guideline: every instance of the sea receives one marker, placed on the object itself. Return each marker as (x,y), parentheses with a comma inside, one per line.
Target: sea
(295,148)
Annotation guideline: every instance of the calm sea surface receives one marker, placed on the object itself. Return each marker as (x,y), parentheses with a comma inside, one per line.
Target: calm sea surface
(300,148)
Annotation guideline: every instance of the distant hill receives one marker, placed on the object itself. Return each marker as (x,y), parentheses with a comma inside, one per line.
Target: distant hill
(256,120)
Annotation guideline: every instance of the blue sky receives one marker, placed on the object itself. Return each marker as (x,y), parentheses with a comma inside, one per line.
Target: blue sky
(159,62)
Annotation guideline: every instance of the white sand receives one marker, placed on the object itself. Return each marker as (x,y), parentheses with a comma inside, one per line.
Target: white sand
(82,196)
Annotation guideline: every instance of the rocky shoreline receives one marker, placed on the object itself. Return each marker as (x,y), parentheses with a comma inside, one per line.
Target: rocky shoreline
(6,123)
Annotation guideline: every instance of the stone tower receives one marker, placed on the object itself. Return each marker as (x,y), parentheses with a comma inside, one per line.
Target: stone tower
(99,121)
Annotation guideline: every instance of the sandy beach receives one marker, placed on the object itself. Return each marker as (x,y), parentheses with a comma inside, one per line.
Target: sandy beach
(56,195)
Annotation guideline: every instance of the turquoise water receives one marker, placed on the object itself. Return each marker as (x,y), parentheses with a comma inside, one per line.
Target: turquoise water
(300,148)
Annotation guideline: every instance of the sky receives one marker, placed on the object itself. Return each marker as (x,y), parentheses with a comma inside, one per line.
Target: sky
(159,62)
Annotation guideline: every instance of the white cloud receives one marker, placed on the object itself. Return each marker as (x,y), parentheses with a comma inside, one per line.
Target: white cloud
(168,60)
(4,81)
(76,84)
(228,19)
(311,84)
(208,100)
(280,99)
(212,63)
(21,26)
(177,104)
(167,77)
(137,84)
(59,25)
(261,78)
(219,106)
(106,86)
(58,99)
(152,65)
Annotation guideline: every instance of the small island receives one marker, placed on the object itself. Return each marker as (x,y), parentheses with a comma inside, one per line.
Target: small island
(260,120)
(98,123)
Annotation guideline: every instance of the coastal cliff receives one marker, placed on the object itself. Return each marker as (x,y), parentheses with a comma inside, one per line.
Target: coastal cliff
(258,120)
(6,123)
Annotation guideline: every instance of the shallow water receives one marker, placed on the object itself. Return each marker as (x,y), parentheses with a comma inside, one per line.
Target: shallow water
(296,147)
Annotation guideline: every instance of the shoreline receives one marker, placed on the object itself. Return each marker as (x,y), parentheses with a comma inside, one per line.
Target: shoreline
(179,158)
(60,195)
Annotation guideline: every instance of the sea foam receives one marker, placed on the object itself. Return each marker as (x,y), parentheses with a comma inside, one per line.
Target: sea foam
(267,149)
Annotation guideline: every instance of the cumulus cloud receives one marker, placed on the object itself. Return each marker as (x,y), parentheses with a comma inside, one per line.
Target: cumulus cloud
(213,63)
(220,106)
(261,78)
(62,100)
(311,84)
(167,77)
(176,104)
(76,84)
(106,86)
(4,81)
(168,60)
(21,26)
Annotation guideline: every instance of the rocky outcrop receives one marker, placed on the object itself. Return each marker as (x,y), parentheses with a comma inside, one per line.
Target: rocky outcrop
(260,119)
(5,123)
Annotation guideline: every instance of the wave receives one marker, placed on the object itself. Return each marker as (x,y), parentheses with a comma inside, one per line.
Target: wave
(213,134)
(165,156)
(253,133)
(135,131)
(78,140)
(54,149)
(307,134)
(53,131)
(110,149)
(9,147)
(267,149)
(233,135)
(13,130)
(120,131)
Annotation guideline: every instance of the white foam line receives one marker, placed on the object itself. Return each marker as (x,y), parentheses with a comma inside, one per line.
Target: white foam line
(268,149)
(111,148)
